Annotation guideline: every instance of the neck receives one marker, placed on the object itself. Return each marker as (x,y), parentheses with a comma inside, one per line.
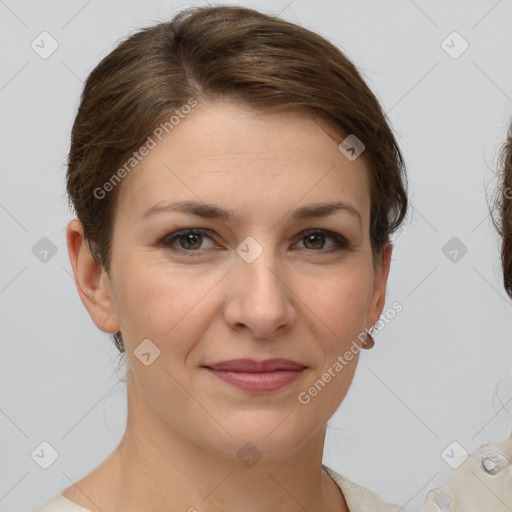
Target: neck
(157,468)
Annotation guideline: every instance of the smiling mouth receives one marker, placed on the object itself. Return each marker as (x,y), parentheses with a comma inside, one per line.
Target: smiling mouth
(258,377)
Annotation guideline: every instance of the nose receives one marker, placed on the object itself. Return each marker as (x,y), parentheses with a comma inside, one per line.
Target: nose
(260,299)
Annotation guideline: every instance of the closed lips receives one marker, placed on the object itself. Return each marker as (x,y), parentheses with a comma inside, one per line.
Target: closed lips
(258,377)
(253,366)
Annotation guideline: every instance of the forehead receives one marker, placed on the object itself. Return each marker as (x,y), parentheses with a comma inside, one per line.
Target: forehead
(224,152)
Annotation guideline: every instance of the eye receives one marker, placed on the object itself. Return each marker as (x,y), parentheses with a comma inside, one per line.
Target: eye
(189,241)
(316,240)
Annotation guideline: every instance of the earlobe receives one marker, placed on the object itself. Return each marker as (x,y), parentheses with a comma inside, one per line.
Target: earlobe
(90,279)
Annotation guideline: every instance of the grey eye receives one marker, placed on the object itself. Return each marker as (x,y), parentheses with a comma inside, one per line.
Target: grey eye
(492,462)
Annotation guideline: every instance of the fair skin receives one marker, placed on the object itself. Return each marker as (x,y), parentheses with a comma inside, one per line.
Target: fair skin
(299,299)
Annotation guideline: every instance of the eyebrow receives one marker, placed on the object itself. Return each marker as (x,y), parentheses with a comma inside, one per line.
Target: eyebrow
(212,211)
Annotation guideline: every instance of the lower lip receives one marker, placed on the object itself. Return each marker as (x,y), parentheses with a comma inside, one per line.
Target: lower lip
(259,382)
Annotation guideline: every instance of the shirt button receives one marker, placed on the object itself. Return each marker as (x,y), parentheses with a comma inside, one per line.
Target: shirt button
(492,462)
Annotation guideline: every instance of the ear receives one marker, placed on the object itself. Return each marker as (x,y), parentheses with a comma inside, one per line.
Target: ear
(381,273)
(92,281)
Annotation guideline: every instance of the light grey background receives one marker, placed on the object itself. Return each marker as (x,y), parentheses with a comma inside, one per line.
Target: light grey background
(434,375)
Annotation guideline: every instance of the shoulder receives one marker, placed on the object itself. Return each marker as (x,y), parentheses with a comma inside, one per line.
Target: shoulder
(482,482)
(60,503)
(358,498)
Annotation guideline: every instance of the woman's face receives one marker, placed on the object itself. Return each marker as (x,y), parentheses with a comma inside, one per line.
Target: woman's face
(258,285)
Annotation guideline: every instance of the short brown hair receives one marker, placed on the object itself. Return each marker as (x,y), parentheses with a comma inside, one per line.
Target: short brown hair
(222,52)
(502,210)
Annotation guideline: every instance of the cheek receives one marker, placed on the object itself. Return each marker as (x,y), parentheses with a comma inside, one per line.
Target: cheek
(341,310)
(163,304)
(342,303)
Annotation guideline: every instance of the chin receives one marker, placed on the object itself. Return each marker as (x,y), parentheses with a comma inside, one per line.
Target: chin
(255,437)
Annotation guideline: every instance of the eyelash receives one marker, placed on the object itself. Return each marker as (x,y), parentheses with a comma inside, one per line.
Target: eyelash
(166,242)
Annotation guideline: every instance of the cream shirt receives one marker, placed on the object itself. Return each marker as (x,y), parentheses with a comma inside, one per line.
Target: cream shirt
(358,499)
(482,483)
